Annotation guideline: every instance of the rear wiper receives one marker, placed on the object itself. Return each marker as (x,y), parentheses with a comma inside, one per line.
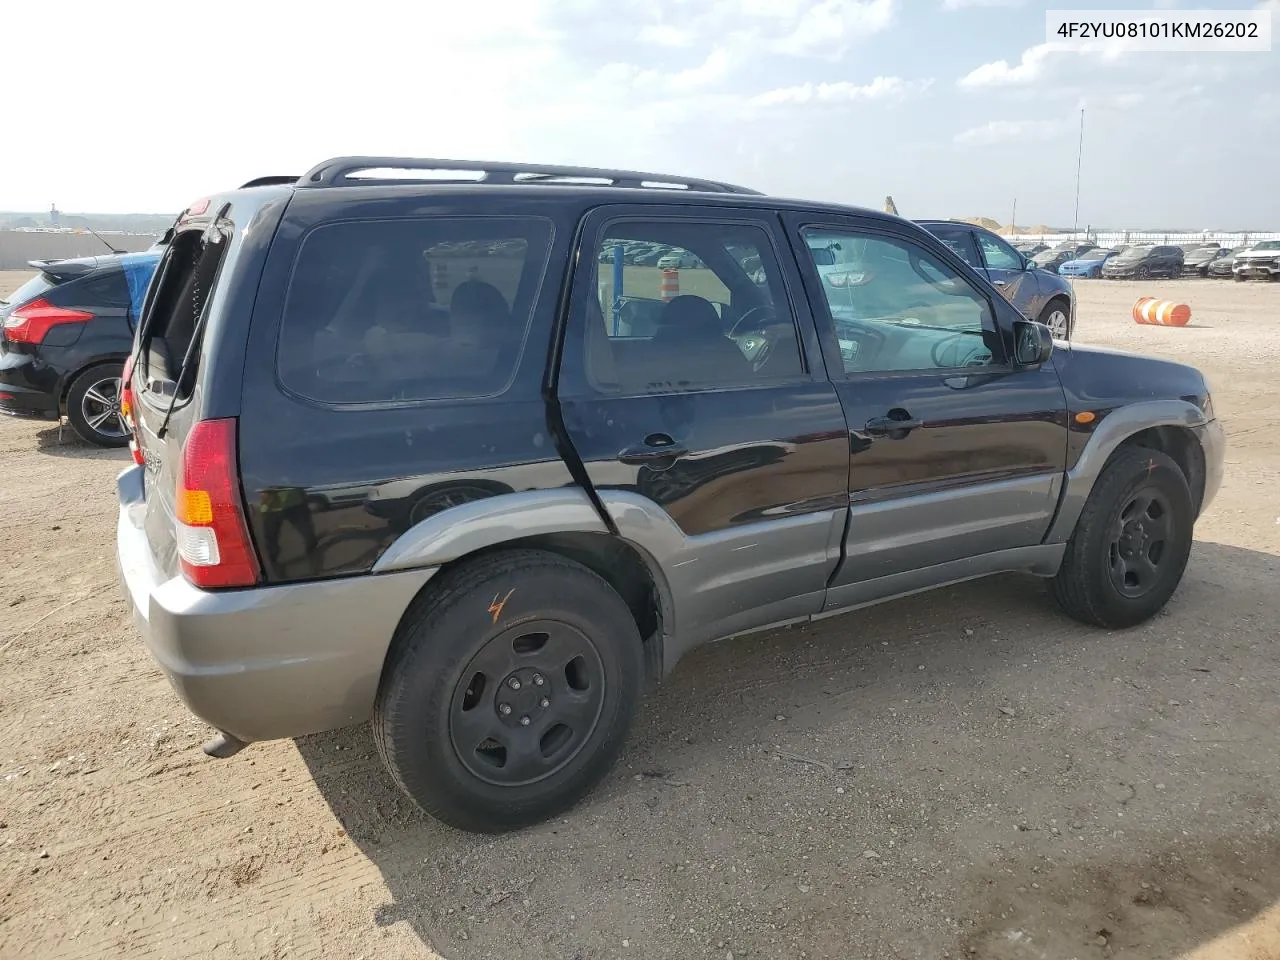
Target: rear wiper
(192,345)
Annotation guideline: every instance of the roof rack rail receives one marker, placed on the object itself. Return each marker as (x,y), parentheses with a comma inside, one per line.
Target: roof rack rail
(267,182)
(339,171)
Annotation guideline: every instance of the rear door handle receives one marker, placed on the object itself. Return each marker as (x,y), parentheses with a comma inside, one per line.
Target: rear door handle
(888,426)
(998,283)
(654,448)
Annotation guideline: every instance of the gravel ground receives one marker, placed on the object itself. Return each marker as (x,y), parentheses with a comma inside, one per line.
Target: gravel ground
(960,774)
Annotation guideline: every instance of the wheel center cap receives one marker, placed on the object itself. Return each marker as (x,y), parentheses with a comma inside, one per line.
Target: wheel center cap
(1133,540)
(522,697)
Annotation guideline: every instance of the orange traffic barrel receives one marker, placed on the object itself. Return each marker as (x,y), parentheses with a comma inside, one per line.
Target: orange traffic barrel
(670,284)
(1161,313)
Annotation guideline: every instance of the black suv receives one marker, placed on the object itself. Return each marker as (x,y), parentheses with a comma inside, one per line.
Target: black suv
(63,337)
(416,451)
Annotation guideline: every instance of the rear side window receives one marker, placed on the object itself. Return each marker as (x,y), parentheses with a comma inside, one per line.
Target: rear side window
(386,311)
(102,290)
(183,288)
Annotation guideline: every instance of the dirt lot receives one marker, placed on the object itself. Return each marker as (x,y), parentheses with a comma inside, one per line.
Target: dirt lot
(964,774)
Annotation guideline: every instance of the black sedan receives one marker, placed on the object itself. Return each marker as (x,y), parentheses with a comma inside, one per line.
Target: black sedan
(1196,262)
(64,336)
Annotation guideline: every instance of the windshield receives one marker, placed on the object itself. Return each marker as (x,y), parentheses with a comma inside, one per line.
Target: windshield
(1267,245)
(1135,253)
(1095,254)
(40,283)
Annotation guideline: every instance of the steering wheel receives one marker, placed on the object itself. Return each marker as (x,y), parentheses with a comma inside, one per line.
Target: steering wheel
(766,346)
(964,352)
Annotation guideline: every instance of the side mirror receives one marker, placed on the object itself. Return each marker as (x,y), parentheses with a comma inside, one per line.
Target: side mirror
(1033,343)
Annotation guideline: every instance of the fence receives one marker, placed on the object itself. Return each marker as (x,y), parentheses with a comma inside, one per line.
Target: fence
(17,247)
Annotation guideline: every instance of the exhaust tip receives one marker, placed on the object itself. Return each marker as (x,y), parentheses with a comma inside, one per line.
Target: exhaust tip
(224,745)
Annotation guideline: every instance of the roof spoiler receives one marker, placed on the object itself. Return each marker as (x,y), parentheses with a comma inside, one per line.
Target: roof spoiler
(63,269)
(273,181)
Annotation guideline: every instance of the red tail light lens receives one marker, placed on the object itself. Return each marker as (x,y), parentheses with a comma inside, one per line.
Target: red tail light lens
(212,535)
(31,322)
(126,409)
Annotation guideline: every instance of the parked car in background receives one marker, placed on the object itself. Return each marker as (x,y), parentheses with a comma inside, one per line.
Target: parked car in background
(1221,268)
(1055,257)
(1262,260)
(64,335)
(1196,263)
(771,453)
(1088,264)
(1139,263)
(1038,294)
(1029,250)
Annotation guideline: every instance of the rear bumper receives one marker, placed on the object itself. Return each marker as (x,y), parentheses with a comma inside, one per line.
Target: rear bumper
(269,662)
(25,389)
(1214,444)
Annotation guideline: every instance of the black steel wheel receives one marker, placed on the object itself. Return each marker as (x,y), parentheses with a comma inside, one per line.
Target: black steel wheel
(1131,544)
(527,702)
(1139,540)
(509,690)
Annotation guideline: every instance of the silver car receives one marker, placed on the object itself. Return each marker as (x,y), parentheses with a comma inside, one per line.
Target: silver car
(1038,294)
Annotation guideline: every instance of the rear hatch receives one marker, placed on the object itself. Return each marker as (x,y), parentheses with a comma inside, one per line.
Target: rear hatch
(52,275)
(183,315)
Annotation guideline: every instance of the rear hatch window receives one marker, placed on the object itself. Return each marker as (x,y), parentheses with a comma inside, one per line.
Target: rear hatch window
(40,284)
(172,328)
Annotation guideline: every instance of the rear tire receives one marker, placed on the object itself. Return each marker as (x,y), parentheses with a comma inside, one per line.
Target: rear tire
(509,691)
(93,406)
(1130,546)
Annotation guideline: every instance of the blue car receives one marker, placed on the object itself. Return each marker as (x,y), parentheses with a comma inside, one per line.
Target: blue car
(1088,264)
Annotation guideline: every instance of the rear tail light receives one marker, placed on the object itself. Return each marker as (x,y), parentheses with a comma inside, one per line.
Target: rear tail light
(31,322)
(212,535)
(127,404)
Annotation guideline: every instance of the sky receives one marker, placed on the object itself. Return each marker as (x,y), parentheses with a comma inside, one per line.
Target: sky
(953,107)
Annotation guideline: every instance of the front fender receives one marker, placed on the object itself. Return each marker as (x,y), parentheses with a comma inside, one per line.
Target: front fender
(1113,430)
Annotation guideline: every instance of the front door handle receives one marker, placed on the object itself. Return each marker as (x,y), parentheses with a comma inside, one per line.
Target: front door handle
(892,427)
(654,448)
(998,283)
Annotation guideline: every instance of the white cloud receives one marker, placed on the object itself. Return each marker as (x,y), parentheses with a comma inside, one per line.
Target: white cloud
(828,27)
(965,4)
(881,88)
(1033,63)
(665,35)
(1005,131)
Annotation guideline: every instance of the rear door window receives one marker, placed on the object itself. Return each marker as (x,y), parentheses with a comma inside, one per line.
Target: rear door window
(959,240)
(387,311)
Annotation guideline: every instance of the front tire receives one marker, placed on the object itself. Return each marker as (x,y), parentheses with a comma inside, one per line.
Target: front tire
(93,406)
(509,691)
(1131,544)
(1055,317)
